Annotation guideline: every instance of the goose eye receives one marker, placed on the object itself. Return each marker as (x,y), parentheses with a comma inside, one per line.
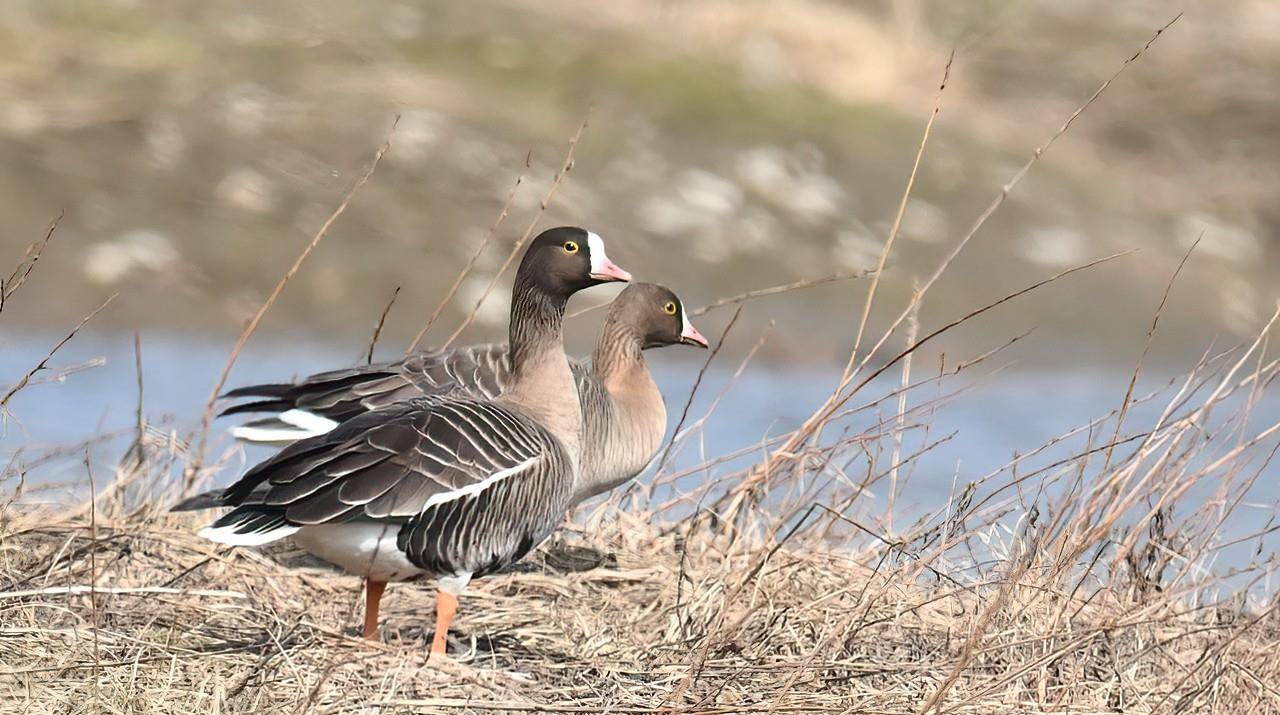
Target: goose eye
(571,246)
(669,308)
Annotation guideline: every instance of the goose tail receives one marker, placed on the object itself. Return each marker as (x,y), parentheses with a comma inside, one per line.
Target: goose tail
(204,500)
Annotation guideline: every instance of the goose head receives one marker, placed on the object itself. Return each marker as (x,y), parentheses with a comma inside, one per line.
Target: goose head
(657,315)
(564,260)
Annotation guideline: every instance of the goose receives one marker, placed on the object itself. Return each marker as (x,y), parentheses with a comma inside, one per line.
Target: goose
(624,417)
(451,489)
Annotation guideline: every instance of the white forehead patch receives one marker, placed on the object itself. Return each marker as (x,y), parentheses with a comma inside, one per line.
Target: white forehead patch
(595,245)
(684,318)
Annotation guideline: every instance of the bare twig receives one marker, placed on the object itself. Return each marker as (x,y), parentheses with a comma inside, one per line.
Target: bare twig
(913,327)
(999,200)
(979,311)
(24,268)
(1146,346)
(471,262)
(93,576)
(26,379)
(752,294)
(565,168)
(61,373)
(815,421)
(253,323)
(693,391)
(137,364)
(377,330)
(775,290)
(897,221)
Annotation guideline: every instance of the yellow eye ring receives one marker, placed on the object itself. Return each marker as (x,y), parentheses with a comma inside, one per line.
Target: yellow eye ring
(669,308)
(571,246)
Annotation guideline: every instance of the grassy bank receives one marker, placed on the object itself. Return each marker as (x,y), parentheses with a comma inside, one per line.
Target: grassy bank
(1094,601)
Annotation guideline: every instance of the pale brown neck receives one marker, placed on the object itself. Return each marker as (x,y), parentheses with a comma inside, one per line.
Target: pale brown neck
(625,432)
(618,354)
(541,383)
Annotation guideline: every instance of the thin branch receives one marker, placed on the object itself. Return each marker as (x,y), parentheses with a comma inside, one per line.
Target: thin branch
(60,374)
(1146,346)
(93,575)
(975,313)
(565,168)
(26,379)
(913,327)
(684,413)
(275,293)
(135,456)
(28,262)
(897,220)
(753,294)
(815,421)
(775,290)
(466,270)
(377,330)
(1000,198)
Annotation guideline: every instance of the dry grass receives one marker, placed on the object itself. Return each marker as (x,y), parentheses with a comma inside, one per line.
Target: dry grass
(1087,584)
(1089,597)
(1084,585)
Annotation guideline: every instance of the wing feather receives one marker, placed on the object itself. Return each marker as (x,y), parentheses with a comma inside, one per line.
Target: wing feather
(478,372)
(395,463)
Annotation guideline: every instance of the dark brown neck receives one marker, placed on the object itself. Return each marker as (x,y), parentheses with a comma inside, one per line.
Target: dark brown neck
(537,325)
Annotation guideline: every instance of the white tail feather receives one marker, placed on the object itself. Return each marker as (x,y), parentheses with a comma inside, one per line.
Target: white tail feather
(307,424)
(268,435)
(227,535)
(308,421)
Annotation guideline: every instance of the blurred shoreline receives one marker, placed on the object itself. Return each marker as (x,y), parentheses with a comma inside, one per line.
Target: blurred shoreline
(195,152)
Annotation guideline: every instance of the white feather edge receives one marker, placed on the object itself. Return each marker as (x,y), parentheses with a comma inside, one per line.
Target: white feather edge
(227,534)
(480,486)
(308,424)
(308,420)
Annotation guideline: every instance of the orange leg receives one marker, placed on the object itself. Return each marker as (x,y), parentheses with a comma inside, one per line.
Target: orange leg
(372,597)
(446,606)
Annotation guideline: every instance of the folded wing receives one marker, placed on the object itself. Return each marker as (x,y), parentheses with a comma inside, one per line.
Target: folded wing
(470,484)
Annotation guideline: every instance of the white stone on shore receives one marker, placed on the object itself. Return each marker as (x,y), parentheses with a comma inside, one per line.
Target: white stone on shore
(417,134)
(110,262)
(166,142)
(857,250)
(924,222)
(246,106)
(1056,247)
(1241,305)
(1221,239)
(709,192)
(792,181)
(247,189)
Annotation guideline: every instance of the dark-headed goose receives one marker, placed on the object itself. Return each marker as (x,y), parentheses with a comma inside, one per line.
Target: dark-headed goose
(448,488)
(623,413)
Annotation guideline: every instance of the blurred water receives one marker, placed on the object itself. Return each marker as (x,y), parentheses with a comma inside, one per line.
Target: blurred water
(1013,412)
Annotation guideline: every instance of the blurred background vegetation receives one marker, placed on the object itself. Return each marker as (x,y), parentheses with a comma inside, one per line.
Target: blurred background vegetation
(195,147)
